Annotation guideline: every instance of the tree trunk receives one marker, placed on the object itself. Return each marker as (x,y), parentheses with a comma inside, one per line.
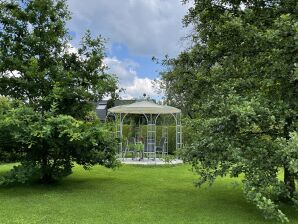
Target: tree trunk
(46,175)
(47,179)
(289,178)
(289,181)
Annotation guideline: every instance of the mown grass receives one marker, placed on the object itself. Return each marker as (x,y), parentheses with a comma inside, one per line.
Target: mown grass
(131,194)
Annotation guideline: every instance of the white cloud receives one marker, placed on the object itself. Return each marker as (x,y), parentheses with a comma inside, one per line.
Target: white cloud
(134,86)
(71,49)
(139,87)
(11,74)
(146,27)
(124,71)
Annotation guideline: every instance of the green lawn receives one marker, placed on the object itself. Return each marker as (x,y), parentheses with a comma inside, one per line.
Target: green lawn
(131,194)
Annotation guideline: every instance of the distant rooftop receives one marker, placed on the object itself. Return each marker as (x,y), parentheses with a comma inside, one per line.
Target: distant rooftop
(102,107)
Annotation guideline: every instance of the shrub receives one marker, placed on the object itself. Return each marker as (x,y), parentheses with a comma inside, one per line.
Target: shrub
(49,145)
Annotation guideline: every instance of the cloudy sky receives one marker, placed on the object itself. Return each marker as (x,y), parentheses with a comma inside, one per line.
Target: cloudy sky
(136,31)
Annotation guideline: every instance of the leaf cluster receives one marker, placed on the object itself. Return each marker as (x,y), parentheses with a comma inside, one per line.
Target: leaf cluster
(61,140)
(56,86)
(238,84)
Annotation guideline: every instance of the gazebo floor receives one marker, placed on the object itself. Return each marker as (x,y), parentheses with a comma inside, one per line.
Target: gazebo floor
(147,161)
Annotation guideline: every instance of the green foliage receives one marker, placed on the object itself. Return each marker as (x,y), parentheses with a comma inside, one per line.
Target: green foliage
(269,208)
(5,105)
(50,145)
(169,158)
(37,65)
(289,152)
(22,174)
(8,148)
(53,126)
(238,84)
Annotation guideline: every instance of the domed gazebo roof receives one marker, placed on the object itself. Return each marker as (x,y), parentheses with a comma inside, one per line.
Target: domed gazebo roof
(144,107)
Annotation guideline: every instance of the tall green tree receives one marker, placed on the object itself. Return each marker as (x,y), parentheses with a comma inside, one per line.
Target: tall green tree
(239,83)
(56,85)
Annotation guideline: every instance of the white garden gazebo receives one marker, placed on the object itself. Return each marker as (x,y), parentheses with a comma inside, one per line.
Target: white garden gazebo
(151,111)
